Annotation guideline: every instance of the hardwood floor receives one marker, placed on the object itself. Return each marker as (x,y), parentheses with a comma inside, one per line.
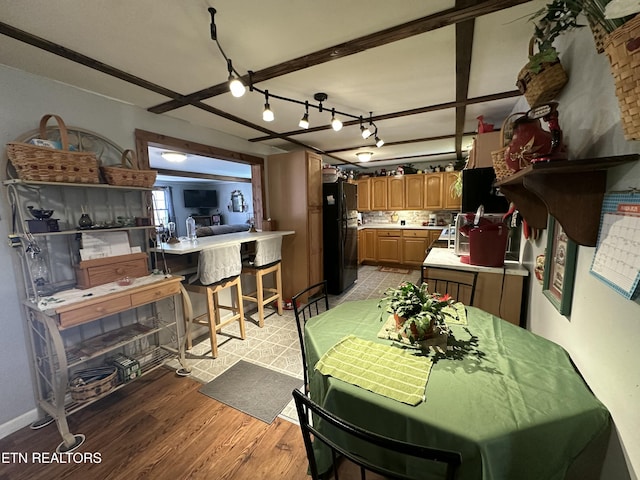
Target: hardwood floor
(160,427)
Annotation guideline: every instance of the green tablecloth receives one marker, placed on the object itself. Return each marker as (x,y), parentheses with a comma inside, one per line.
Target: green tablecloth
(508,400)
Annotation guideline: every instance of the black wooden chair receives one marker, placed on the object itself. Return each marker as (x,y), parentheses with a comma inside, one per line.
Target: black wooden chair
(461,285)
(314,301)
(305,405)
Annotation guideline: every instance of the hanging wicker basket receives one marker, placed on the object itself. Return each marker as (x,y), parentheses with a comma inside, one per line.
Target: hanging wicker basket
(47,164)
(497,156)
(544,86)
(128,175)
(623,50)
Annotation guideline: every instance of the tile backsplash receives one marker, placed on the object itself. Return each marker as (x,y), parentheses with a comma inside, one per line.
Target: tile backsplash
(411,217)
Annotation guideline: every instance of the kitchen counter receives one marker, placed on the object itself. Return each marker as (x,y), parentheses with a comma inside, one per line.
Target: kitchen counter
(499,290)
(397,226)
(445,258)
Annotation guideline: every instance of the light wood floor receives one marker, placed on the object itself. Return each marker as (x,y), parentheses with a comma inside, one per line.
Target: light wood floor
(160,427)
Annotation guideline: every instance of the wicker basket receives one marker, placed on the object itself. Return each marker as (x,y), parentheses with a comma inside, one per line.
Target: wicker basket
(497,156)
(44,164)
(544,86)
(623,50)
(92,383)
(128,175)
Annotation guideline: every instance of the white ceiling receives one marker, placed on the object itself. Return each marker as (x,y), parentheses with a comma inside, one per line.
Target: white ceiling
(168,43)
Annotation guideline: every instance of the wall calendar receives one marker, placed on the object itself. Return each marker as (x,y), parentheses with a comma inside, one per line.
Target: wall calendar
(617,258)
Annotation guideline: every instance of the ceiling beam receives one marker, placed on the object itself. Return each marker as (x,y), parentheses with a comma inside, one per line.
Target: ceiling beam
(401,142)
(438,20)
(464,48)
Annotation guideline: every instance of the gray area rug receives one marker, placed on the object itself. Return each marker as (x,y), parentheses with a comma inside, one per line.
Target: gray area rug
(252,389)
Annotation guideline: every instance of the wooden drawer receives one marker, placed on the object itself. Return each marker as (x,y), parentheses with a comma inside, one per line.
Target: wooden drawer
(87,313)
(389,233)
(90,273)
(153,294)
(415,233)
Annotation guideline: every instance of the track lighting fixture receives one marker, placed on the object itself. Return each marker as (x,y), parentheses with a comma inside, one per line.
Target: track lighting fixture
(238,89)
(336,124)
(304,121)
(267,114)
(364,156)
(236,86)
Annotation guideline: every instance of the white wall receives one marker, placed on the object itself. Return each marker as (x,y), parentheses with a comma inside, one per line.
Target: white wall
(602,332)
(25,99)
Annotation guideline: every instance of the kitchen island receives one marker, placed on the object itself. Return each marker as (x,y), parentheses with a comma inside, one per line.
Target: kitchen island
(201,243)
(499,290)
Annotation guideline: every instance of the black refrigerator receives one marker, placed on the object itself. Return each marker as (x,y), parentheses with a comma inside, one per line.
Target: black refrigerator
(340,235)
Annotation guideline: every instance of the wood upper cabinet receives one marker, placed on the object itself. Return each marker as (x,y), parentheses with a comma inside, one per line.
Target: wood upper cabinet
(451,201)
(414,188)
(395,193)
(433,191)
(314,179)
(378,191)
(363,194)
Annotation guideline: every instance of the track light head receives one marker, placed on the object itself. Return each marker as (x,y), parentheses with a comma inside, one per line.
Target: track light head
(336,124)
(304,121)
(365,132)
(267,114)
(379,142)
(236,86)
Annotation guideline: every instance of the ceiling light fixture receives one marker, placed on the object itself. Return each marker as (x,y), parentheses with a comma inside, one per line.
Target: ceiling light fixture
(364,156)
(304,121)
(238,88)
(267,114)
(174,157)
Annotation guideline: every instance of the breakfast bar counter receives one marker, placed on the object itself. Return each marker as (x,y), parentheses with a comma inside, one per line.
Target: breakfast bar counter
(184,247)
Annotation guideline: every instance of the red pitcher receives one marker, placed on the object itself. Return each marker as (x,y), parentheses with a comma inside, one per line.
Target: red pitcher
(531,143)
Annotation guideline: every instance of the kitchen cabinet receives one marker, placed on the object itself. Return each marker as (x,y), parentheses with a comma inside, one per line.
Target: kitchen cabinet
(389,246)
(395,193)
(71,330)
(363,194)
(450,200)
(378,191)
(414,246)
(369,240)
(571,191)
(414,190)
(433,191)
(295,203)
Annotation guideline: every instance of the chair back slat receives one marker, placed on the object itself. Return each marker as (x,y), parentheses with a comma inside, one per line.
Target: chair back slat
(311,433)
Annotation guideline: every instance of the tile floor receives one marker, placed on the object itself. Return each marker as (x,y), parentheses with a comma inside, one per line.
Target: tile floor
(276,345)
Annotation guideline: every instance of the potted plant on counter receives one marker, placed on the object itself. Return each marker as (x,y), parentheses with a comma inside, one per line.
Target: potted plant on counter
(419,315)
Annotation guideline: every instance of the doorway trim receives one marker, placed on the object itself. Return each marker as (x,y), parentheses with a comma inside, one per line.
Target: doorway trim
(146,139)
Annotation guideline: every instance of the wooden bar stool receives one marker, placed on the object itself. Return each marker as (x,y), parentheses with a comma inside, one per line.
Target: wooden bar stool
(267,261)
(219,269)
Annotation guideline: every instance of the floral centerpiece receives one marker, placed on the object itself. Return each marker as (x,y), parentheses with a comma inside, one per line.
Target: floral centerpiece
(419,315)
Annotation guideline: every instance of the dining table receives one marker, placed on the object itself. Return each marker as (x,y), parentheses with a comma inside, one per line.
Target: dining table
(511,402)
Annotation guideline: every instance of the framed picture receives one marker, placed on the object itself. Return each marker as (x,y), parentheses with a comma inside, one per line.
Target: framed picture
(559,268)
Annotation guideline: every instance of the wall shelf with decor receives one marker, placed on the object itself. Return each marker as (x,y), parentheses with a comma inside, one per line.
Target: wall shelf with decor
(552,188)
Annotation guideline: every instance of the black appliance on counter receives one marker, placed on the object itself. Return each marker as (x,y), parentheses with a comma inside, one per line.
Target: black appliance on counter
(478,189)
(340,235)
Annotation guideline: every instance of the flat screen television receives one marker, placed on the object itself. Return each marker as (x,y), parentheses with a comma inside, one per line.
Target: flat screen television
(200,199)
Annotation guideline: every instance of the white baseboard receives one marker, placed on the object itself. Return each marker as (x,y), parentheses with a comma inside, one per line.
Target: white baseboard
(17,423)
